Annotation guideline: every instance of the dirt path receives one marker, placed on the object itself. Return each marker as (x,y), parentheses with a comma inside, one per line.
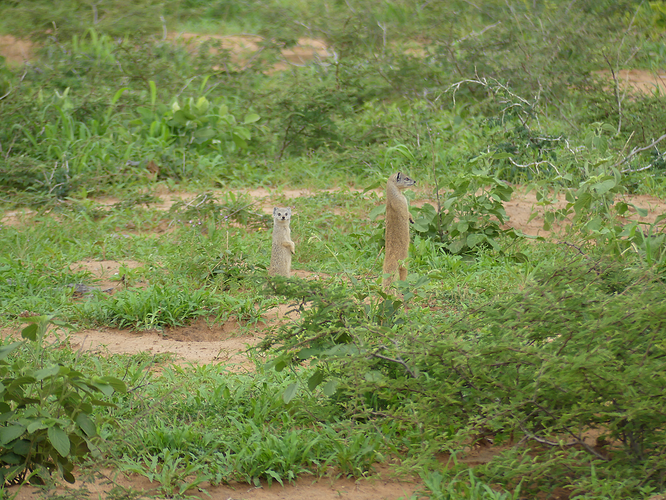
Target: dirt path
(376,487)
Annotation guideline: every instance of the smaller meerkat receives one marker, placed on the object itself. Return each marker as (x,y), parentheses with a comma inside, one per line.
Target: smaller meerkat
(283,247)
(397,228)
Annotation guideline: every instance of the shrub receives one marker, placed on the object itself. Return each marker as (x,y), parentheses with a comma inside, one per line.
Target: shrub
(46,410)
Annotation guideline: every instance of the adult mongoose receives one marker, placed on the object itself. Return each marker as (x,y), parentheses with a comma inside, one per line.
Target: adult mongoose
(397,228)
(283,247)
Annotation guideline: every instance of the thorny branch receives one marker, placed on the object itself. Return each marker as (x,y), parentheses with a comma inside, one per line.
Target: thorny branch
(493,85)
(635,151)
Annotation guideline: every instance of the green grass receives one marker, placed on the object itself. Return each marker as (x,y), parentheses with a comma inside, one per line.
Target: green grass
(526,341)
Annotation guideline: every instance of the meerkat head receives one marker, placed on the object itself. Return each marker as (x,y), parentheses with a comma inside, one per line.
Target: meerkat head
(282,213)
(402,181)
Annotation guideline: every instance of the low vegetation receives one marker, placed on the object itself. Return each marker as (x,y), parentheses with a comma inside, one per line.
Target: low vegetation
(549,350)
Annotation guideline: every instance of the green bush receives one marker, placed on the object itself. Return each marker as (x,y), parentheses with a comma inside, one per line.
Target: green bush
(46,410)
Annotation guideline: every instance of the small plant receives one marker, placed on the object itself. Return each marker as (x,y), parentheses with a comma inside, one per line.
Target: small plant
(195,123)
(46,409)
(470,216)
(174,472)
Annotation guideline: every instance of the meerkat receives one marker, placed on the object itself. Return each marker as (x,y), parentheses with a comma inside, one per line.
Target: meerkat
(283,247)
(397,228)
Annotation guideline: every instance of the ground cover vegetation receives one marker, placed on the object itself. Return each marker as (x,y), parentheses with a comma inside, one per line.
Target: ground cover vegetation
(550,350)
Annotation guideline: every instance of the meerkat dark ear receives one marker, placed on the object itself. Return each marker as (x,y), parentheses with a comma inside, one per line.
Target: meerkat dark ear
(397,177)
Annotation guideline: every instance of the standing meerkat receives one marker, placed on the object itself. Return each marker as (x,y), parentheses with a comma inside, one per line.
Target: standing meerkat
(283,247)
(397,228)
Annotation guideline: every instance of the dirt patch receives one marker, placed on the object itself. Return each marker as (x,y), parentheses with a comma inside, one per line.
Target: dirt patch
(527,215)
(196,343)
(635,80)
(16,218)
(243,49)
(107,273)
(306,488)
(15,50)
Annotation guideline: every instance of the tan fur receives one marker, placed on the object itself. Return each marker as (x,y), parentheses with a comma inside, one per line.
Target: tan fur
(283,247)
(397,228)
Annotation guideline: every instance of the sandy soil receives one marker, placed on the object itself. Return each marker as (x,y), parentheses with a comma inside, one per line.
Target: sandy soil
(376,487)
(635,80)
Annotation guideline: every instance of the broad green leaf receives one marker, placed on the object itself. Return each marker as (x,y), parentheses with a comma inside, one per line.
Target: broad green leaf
(456,246)
(59,440)
(330,387)
(22,447)
(99,402)
(11,432)
(204,134)
(448,202)
(462,226)
(642,212)
(290,392)
(19,381)
(621,208)
(30,332)
(520,257)
(251,118)
(374,376)
(12,458)
(46,372)
(308,352)
(105,389)
(316,379)
(594,224)
(179,119)
(35,426)
(239,141)
(604,187)
(243,133)
(583,201)
(86,424)
(117,384)
(475,239)
(145,113)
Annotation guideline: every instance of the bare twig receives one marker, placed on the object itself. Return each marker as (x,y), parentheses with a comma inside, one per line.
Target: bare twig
(575,442)
(535,164)
(616,91)
(475,34)
(635,151)
(399,361)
